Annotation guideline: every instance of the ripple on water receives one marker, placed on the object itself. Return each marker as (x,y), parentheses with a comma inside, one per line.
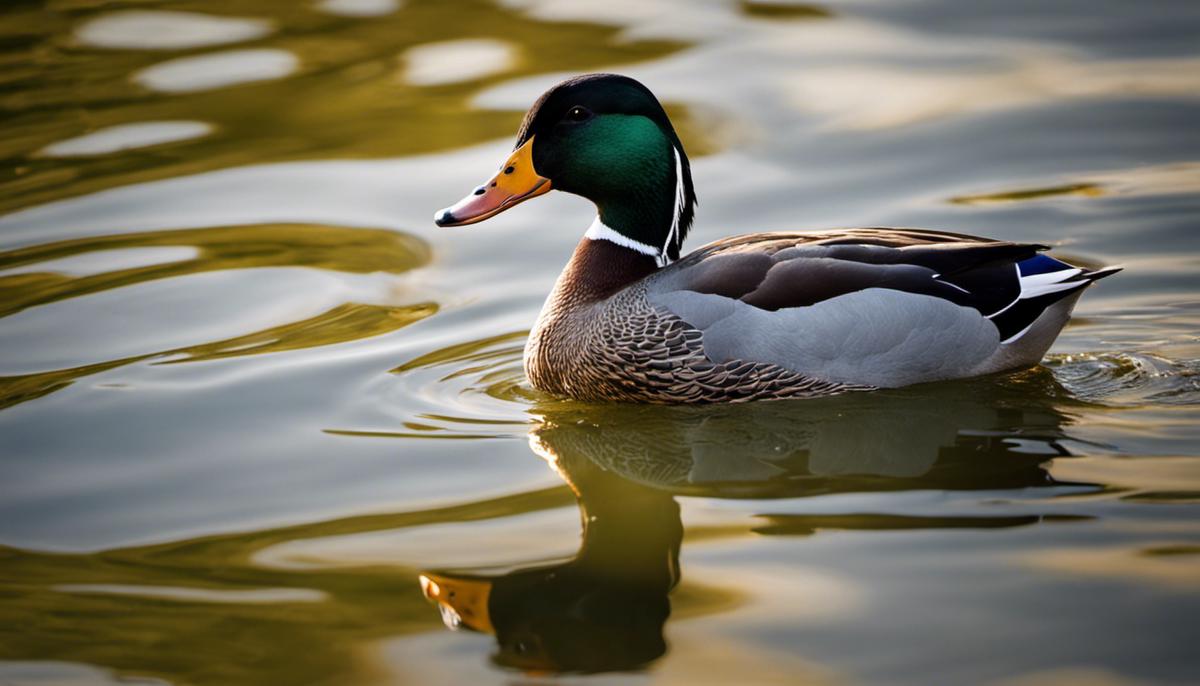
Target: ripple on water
(32,672)
(1024,194)
(201,595)
(104,261)
(103,283)
(775,9)
(470,390)
(1121,378)
(493,366)
(478,389)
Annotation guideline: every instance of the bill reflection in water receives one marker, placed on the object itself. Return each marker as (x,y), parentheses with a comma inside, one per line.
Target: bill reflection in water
(605,608)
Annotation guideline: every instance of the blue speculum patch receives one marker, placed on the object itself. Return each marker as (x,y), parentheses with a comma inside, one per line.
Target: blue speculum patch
(1041,264)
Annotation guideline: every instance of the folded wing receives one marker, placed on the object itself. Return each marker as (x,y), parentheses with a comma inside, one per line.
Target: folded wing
(900,304)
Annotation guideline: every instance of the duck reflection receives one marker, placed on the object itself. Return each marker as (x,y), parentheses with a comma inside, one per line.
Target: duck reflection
(604,609)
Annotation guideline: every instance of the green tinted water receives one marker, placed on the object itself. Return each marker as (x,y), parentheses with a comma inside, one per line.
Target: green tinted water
(251,397)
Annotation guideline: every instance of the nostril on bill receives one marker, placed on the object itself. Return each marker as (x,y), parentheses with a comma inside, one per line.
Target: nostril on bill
(508,169)
(480,190)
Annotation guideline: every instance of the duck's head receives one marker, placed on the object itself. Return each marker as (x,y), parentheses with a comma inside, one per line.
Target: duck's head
(607,138)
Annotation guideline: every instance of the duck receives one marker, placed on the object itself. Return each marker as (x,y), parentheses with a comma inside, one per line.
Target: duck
(758,316)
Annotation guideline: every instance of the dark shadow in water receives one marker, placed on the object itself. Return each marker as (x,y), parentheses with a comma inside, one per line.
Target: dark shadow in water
(604,609)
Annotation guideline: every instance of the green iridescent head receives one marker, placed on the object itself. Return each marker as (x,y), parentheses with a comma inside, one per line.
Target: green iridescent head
(604,137)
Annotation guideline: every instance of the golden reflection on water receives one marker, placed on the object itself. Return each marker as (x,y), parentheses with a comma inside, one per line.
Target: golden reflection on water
(602,609)
(57,85)
(217,249)
(175,635)
(1090,190)
(787,541)
(605,608)
(167,608)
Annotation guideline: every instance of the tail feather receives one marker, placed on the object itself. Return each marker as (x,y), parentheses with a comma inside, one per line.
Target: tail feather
(1043,281)
(1098,274)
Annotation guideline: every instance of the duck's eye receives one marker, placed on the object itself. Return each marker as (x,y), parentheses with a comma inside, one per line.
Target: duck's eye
(578,114)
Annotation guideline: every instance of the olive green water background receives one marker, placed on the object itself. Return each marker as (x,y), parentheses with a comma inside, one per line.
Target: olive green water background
(250,394)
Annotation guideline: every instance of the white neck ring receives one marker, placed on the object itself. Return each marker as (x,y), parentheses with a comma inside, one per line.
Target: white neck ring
(598,231)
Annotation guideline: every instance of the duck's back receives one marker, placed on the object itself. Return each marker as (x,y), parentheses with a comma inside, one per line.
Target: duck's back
(798,314)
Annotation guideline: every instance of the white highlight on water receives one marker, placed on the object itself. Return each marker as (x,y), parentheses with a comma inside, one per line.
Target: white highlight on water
(127,137)
(168,30)
(217,70)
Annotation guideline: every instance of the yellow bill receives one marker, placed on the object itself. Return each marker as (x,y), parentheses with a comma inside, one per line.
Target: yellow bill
(516,182)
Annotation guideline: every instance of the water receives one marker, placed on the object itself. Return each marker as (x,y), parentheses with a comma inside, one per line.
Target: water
(251,396)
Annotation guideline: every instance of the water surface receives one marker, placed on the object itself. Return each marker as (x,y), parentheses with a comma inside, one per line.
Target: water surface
(260,419)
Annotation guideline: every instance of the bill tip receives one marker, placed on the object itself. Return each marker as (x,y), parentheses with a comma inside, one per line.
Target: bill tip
(443,218)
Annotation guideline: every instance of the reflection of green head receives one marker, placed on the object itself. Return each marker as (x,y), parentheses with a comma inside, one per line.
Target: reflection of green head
(560,620)
(573,617)
(604,610)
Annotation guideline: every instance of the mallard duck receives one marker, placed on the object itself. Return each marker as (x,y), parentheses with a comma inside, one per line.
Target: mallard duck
(756,316)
